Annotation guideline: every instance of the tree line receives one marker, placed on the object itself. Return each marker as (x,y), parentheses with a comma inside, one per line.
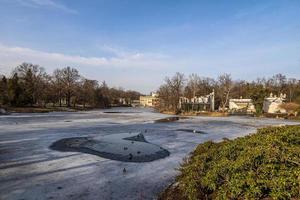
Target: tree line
(30,85)
(225,88)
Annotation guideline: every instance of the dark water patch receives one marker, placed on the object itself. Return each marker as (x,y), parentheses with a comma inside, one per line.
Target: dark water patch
(122,147)
(169,119)
(192,131)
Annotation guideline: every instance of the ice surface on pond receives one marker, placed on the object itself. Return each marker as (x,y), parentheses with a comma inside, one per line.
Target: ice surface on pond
(30,170)
(191,130)
(127,147)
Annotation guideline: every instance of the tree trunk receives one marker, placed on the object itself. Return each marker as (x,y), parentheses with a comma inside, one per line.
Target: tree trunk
(226,100)
(69,99)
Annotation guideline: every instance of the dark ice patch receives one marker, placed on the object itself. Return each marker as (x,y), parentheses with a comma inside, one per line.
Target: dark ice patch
(169,119)
(126,147)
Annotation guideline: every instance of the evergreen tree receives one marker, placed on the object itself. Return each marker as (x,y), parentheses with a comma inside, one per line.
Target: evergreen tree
(15,92)
(4,91)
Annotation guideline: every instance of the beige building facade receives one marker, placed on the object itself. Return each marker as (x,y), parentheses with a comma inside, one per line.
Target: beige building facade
(149,100)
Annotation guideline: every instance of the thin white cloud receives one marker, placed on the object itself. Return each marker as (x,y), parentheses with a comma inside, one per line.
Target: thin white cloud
(145,71)
(123,53)
(12,56)
(48,4)
(114,50)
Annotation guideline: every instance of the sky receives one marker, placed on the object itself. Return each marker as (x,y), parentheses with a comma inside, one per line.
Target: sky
(135,44)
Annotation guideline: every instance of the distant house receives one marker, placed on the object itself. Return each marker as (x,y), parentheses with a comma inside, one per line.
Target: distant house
(149,100)
(272,104)
(241,105)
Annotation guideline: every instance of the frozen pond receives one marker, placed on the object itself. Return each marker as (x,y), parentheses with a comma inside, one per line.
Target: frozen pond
(29,169)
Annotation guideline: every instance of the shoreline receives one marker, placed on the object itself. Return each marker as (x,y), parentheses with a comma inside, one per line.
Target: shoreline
(227,114)
(45,109)
(34,109)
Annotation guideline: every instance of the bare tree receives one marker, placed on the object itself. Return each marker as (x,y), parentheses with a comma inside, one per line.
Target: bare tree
(291,86)
(164,94)
(50,91)
(172,90)
(58,85)
(88,92)
(205,86)
(193,83)
(102,96)
(277,83)
(69,78)
(225,85)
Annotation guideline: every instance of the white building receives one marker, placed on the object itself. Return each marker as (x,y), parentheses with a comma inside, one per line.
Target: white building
(272,104)
(241,105)
(202,103)
(149,100)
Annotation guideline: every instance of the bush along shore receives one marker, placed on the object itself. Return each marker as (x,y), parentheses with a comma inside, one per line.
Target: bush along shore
(265,165)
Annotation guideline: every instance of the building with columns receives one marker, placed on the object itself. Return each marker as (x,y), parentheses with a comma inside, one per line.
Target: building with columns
(202,103)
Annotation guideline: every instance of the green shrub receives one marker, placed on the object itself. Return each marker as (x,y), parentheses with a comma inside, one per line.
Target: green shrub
(265,165)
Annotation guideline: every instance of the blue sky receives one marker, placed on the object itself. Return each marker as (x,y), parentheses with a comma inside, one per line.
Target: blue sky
(134,44)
